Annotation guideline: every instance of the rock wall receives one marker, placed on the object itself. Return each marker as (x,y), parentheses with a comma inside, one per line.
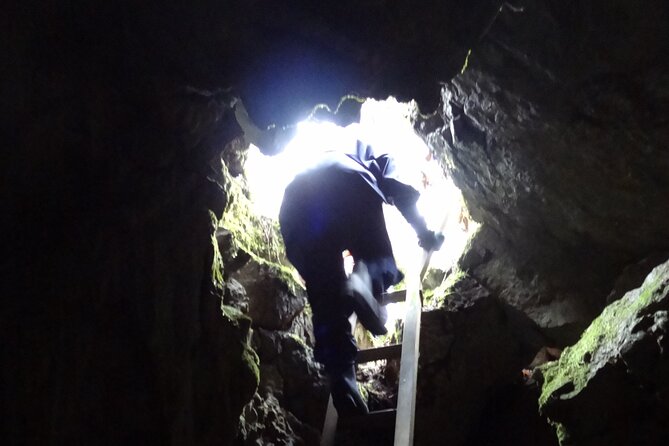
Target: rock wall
(112,325)
(290,403)
(556,134)
(470,385)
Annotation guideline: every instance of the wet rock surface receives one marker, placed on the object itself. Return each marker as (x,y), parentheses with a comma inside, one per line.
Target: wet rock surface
(612,386)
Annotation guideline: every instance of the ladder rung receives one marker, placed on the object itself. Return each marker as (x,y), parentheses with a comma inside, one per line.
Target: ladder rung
(380,418)
(394,297)
(375,354)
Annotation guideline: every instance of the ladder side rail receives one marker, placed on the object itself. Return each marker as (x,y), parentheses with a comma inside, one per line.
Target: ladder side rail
(406,395)
(329,425)
(406,398)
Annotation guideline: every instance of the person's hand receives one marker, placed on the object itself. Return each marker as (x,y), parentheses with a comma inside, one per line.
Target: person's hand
(430,240)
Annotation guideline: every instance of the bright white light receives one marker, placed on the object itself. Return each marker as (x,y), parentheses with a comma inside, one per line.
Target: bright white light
(385,125)
(268,176)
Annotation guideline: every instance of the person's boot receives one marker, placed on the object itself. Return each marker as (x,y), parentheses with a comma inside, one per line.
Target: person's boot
(345,394)
(371,313)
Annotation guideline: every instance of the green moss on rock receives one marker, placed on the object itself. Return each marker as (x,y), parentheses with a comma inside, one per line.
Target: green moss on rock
(256,235)
(243,322)
(561,432)
(250,358)
(217,262)
(435,298)
(602,340)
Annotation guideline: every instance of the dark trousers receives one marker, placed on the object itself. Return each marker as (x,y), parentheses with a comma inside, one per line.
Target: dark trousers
(325,212)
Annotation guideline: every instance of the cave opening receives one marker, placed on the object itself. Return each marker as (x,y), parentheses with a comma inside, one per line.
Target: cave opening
(278,317)
(388,125)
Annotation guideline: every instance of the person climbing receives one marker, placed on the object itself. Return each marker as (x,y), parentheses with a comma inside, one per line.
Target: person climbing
(334,206)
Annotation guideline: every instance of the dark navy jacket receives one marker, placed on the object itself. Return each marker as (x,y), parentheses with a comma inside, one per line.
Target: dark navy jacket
(381,174)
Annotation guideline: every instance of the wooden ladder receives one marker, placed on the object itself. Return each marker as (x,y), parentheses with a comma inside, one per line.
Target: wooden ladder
(403,416)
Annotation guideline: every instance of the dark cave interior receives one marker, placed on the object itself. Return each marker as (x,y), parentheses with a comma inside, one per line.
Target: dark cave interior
(130,315)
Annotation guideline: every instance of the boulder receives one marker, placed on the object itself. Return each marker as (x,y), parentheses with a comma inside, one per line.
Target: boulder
(612,386)
(265,422)
(289,373)
(472,353)
(273,304)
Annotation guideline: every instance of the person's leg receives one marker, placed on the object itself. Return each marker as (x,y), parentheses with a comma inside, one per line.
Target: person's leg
(341,211)
(312,233)
(335,347)
(370,243)
(324,276)
(371,314)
